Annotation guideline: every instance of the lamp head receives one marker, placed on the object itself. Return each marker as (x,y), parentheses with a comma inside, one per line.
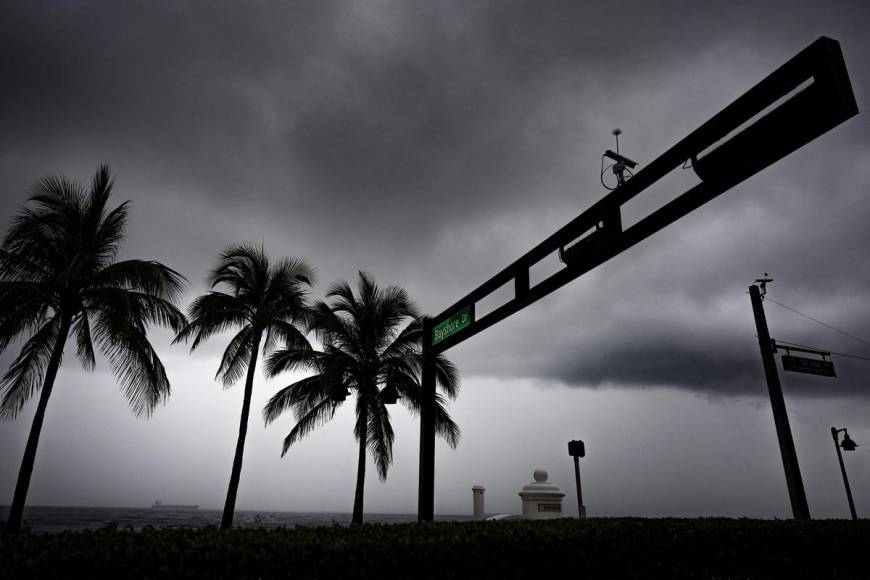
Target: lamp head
(389,395)
(848,444)
(338,393)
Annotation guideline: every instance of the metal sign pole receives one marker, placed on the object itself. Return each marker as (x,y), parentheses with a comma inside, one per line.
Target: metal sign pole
(426,485)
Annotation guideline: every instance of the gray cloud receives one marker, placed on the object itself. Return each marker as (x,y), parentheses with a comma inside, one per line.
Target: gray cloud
(432,143)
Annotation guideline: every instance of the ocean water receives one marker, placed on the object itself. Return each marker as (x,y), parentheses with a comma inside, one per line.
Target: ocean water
(53,519)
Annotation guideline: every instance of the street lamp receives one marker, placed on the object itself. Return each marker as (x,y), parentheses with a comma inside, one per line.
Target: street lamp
(389,395)
(577,449)
(338,393)
(847,445)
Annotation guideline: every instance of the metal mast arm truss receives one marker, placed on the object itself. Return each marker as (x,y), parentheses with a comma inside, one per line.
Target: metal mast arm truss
(801,100)
(823,101)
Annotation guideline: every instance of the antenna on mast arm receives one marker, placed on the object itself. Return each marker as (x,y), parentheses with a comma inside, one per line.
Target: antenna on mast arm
(622,165)
(763,282)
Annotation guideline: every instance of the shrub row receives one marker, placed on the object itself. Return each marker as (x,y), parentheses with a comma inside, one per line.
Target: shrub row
(594,548)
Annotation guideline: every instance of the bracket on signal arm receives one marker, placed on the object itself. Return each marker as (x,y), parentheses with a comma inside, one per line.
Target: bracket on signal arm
(804,98)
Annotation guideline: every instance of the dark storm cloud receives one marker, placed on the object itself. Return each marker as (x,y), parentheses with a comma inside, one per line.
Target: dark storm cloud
(433,142)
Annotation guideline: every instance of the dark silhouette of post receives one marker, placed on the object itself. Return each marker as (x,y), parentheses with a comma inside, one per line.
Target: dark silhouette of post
(577,449)
(834,432)
(426,486)
(581,512)
(796,492)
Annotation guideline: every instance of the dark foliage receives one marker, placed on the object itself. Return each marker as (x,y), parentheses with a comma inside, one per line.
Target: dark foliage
(370,347)
(262,302)
(596,548)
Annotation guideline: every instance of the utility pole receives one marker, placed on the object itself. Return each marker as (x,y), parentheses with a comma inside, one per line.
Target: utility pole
(796,492)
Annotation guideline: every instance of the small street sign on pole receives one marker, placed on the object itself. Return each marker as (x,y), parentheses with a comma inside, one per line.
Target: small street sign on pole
(813,366)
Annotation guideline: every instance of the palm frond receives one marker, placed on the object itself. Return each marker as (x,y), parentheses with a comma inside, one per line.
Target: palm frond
(319,415)
(343,299)
(406,342)
(26,372)
(380,438)
(392,307)
(236,357)
(21,316)
(134,362)
(58,202)
(445,426)
(101,188)
(293,359)
(22,267)
(242,267)
(84,342)
(446,376)
(109,232)
(212,313)
(289,335)
(146,309)
(146,276)
(301,397)
(337,331)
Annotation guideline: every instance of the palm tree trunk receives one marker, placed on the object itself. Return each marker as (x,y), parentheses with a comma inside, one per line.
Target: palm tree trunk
(230,504)
(16,511)
(361,468)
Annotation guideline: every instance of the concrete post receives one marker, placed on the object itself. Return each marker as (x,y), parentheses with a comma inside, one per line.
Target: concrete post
(479,509)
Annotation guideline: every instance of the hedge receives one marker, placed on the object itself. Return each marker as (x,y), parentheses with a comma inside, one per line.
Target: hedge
(594,548)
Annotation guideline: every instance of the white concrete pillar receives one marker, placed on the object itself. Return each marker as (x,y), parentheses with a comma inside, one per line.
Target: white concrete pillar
(542,500)
(477,492)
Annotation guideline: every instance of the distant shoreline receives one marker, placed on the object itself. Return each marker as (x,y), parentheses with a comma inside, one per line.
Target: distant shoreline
(55,519)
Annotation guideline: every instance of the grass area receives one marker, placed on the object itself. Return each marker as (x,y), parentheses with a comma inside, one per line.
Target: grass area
(595,548)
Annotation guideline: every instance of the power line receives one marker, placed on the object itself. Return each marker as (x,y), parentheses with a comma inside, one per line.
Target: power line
(807,316)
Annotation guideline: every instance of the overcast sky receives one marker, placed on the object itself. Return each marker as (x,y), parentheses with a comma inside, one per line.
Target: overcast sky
(430,144)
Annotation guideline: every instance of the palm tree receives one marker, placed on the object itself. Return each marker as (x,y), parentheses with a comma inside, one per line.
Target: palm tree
(58,275)
(265,302)
(363,348)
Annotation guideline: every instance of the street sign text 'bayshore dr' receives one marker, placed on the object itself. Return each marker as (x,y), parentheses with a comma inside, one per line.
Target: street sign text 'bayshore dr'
(453,324)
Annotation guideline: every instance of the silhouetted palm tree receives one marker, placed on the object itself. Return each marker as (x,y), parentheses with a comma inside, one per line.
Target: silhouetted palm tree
(363,348)
(58,275)
(265,301)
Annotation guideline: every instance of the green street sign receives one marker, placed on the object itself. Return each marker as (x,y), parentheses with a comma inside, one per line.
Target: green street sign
(453,324)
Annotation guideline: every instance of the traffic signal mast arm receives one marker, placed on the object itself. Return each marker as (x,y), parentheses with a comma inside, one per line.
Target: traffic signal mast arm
(823,101)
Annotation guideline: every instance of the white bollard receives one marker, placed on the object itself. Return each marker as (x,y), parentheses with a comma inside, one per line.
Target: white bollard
(477,493)
(542,500)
